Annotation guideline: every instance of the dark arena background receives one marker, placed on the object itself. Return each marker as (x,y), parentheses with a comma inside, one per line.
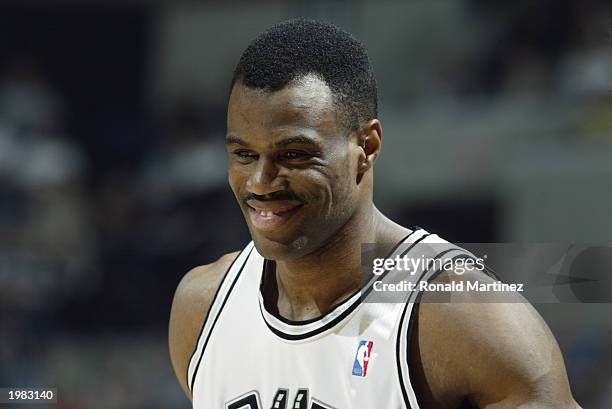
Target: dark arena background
(497,120)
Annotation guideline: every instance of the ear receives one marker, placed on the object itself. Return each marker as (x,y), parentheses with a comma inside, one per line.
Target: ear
(369,139)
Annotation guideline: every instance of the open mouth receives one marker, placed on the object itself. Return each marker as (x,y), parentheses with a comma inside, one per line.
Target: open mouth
(271,218)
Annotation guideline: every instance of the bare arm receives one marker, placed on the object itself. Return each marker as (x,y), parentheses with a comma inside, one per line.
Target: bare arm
(192,300)
(495,355)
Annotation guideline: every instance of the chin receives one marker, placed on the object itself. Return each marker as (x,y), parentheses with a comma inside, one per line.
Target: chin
(283,249)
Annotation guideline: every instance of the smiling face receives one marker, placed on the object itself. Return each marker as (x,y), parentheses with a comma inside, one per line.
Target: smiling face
(292,167)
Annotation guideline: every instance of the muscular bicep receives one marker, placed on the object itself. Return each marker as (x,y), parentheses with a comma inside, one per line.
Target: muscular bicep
(522,364)
(495,355)
(190,305)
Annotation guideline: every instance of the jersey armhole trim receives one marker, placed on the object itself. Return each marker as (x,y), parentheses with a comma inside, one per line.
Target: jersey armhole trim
(216,306)
(299,331)
(404,336)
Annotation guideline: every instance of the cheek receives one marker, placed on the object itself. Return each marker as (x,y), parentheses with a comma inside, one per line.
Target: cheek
(332,188)
(343,191)
(341,174)
(236,180)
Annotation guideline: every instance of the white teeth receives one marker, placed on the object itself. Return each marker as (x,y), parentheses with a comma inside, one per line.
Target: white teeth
(263,213)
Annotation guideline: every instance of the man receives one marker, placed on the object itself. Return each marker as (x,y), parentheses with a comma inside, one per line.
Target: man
(285,322)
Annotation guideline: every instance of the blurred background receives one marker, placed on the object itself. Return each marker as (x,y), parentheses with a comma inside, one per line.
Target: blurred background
(497,120)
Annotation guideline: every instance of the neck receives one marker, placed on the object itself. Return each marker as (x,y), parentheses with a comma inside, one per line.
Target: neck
(311,285)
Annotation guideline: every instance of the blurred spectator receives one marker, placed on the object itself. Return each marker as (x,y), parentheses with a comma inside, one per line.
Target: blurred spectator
(191,156)
(586,73)
(27,101)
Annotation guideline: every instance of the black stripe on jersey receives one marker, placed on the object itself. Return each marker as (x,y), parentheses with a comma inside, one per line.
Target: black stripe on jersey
(229,291)
(491,273)
(384,274)
(309,321)
(413,317)
(349,310)
(208,312)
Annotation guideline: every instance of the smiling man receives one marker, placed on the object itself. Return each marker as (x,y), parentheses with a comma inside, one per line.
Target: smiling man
(286,322)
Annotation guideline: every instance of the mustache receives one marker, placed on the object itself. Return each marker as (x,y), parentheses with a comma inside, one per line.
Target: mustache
(276,196)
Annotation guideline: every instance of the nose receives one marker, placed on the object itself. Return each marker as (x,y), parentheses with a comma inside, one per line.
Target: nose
(264,180)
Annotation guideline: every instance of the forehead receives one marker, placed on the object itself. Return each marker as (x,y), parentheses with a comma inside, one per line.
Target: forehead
(305,103)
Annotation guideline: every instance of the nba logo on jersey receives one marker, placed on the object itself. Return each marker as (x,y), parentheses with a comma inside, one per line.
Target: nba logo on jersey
(362,358)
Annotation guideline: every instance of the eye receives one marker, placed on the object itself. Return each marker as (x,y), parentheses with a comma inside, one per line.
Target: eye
(293,155)
(244,155)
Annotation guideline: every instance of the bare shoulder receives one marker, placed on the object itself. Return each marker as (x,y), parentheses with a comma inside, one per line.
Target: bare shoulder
(495,353)
(192,300)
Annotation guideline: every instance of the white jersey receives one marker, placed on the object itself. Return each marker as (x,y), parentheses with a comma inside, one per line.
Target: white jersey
(354,356)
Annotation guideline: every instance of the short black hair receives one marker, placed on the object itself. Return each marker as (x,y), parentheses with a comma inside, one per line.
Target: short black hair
(292,49)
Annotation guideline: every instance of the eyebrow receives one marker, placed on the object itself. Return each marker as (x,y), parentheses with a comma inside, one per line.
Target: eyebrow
(231,139)
(299,139)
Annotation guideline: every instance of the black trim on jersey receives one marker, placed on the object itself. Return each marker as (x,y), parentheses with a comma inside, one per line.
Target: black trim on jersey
(384,274)
(399,331)
(349,310)
(491,273)
(229,291)
(320,317)
(414,316)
